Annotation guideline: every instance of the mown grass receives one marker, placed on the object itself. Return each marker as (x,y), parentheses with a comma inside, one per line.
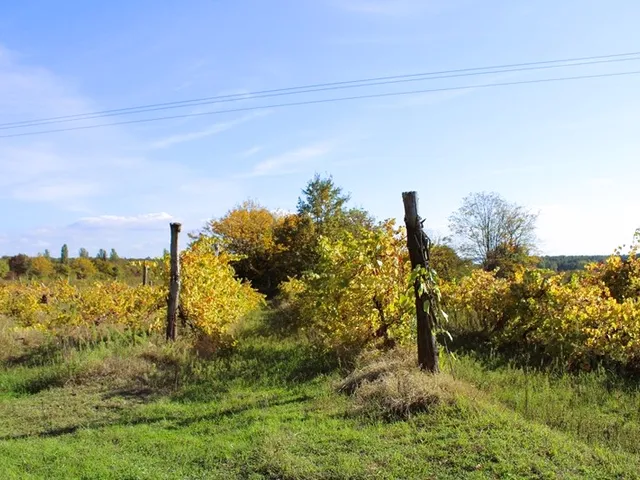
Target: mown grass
(269,409)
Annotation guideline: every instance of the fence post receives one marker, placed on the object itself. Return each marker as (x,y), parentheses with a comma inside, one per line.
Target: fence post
(145,274)
(418,245)
(174,283)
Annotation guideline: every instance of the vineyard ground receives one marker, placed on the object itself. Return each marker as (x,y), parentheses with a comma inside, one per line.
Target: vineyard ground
(270,409)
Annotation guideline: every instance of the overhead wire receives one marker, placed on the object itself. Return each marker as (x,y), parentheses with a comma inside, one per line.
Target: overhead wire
(361,83)
(325,100)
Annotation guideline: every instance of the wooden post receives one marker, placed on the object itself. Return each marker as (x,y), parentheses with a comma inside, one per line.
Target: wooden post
(419,255)
(145,274)
(174,283)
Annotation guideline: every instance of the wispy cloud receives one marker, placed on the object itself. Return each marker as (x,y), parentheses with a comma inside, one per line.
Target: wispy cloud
(214,129)
(134,222)
(250,152)
(290,162)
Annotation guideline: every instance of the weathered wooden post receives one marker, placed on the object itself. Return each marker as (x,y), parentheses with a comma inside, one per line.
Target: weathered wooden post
(174,283)
(417,243)
(145,274)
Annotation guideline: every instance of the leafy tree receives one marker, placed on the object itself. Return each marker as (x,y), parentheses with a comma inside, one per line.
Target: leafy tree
(296,239)
(113,256)
(446,262)
(19,264)
(101,255)
(322,200)
(83,253)
(106,268)
(41,266)
(64,254)
(47,253)
(248,231)
(4,268)
(83,268)
(489,228)
(506,259)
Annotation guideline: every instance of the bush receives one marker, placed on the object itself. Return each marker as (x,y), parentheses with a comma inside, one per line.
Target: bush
(588,317)
(358,293)
(213,300)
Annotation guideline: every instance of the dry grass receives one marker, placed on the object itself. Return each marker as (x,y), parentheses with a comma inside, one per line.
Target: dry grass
(391,384)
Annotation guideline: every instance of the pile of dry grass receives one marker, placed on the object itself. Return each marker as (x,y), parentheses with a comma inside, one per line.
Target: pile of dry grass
(391,384)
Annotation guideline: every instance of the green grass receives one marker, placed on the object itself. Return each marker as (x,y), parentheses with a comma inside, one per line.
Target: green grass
(268,410)
(599,407)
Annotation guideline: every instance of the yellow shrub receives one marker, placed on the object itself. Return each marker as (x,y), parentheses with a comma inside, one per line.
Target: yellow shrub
(212,298)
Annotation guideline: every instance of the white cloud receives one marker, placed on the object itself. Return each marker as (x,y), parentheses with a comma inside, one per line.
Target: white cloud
(291,161)
(144,221)
(214,129)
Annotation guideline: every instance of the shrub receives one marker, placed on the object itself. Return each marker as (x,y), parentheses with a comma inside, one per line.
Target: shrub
(358,293)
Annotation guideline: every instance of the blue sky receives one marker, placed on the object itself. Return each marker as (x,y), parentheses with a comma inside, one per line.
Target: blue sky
(568,150)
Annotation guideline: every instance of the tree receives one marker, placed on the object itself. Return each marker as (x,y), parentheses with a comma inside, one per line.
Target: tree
(83,253)
(322,200)
(106,268)
(19,264)
(488,228)
(446,262)
(101,255)
(296,239)
(113,256)
(326,205)
(64,254)
(41,266)
(83,267)
(4,268)
(248,231)
(47,253)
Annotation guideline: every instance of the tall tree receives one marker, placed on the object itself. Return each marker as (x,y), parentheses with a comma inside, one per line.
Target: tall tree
(83,253)
(47,253)
(64,254)
(101,255)
(322,200)
(113,255)
(489,229)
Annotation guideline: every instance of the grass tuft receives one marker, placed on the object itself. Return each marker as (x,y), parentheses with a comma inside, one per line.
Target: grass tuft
(392,386)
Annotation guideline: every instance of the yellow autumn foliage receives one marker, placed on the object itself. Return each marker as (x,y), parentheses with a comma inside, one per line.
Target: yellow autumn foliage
(212,299)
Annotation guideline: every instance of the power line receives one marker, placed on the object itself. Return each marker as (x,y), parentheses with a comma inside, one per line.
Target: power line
(368,82)
(326,100)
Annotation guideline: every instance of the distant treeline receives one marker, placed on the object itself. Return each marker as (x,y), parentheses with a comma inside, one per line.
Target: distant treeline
(567,263)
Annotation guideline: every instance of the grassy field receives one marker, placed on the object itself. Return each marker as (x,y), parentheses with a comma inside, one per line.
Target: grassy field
(271,409)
